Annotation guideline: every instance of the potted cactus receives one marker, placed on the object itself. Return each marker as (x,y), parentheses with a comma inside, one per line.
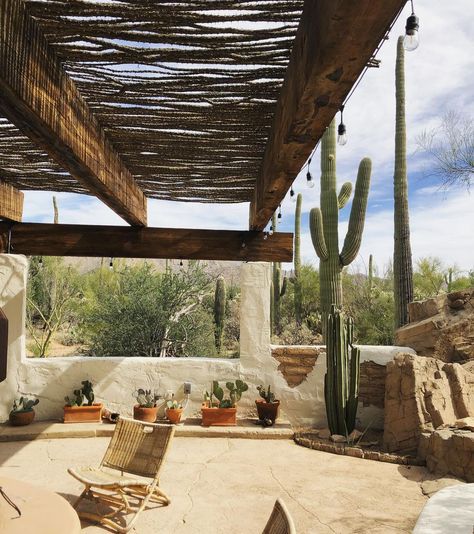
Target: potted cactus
(222,411)
(81,408)
(267,406)
(22,412)
(174,410)
(146,409)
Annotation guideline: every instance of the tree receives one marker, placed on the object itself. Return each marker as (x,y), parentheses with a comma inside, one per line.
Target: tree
(53,292)
(138,311)
(428,278)
(450,147)
(402,261)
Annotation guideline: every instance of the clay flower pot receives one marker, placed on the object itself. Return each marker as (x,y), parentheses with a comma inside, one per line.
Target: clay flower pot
(218,416)
(147,415)
(83,414)
(174,415)
(268,410)
(21,418)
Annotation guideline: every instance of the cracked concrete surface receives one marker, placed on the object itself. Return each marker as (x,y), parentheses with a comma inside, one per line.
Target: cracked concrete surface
(221,485)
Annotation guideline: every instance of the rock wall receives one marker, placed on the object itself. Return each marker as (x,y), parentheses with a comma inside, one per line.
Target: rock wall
(423,394)
(442,327)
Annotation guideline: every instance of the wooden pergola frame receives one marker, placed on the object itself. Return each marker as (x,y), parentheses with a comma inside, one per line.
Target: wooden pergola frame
(335,41)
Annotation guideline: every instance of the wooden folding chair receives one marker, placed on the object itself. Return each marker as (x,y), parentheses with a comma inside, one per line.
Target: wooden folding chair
(136,450)
(280,521)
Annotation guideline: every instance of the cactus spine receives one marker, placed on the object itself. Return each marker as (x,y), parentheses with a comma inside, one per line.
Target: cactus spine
(278,289)
(324,222)
(297,282)
(219,312)
(341,382)
(402,261)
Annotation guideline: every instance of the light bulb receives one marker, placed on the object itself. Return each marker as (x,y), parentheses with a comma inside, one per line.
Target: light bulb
(270,232)
(40,263)
(279,212)
(292,195)
(341,134)
(309,180)
(111,264)
(181,263)
(411,39)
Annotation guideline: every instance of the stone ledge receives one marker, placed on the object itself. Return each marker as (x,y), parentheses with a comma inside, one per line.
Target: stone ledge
(312,441)
(191,428)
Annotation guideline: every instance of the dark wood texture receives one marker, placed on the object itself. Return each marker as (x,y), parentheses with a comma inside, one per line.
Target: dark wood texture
(11,202)
(133,242)
(39,97)
(334,42)
(3,345)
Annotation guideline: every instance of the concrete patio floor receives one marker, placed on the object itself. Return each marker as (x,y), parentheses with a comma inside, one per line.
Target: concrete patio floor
(221,485)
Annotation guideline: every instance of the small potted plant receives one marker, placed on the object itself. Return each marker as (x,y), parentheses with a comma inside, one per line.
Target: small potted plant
(174,410)
(222,411)
(267,406)
(78,411)
(146,409)
(22,412)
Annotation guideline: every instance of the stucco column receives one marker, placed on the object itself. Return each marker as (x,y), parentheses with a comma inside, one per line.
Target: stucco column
(255,283)
(13,276)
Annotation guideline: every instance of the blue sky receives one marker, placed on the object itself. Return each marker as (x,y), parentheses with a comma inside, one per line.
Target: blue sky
(439,76)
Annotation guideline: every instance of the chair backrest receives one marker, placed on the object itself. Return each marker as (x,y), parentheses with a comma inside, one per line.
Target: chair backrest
(138,448)
(280,521)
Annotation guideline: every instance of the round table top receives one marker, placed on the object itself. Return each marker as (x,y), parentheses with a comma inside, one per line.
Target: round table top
(42,511)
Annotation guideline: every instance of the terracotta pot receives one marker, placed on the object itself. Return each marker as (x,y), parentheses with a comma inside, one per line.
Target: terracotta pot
(83,414)
(174,415)
(268,410)
(22,418)
(148,415)
(218,416)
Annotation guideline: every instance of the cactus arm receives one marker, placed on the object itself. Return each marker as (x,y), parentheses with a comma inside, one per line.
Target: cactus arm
(317,233)
(344,194)
(357,218)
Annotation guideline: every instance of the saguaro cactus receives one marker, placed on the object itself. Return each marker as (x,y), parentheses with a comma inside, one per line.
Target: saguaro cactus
(341,382)
(402,261)
(370,278)
(297,281)
(324,222)
(219,312)
(278,289)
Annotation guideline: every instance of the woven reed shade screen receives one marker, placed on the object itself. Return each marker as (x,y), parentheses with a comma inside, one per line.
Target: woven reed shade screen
(184,90)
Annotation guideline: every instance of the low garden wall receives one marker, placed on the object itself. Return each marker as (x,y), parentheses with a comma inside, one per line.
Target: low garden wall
(296,373)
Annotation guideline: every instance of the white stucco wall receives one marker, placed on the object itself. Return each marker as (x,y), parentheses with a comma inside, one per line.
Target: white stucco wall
(115,379)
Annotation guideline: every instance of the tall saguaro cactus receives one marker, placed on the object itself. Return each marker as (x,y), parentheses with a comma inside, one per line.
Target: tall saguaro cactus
(278,289)
(324,222)
(297,282)
(402,261)
(219,312)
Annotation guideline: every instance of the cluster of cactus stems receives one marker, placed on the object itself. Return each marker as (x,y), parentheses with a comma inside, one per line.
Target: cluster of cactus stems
(278,289)
(341,382)
(402,260)
(24,404)
(298,296)
(86,392)
(145,398)
(235,394)
(324,223)
(266,394)
(219,312)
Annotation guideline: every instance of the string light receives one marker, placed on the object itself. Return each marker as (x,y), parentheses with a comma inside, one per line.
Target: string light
(40,263)
(180,263)
(270,232)
(292,194)
(111,264)
(411,39)
(309,177)
(341,130)
(279,212)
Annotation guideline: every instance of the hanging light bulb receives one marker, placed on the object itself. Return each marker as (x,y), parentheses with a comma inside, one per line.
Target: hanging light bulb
(292,194)
(341,131)
(180,263)
(111,264)
(411,39)
(279,212)
(40,263)
(309,179)
(270,232)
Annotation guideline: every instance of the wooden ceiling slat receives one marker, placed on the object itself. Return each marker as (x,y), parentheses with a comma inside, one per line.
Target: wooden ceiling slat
(11,202)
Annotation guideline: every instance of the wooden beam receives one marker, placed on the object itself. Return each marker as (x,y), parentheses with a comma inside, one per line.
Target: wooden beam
(132,242)
(11,202)
(333,44)
(39,97)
